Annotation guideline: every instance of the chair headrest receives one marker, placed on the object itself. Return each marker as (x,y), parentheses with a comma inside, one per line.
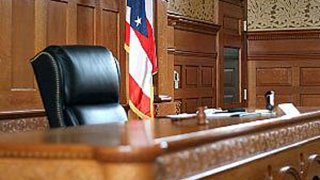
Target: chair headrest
(89,74)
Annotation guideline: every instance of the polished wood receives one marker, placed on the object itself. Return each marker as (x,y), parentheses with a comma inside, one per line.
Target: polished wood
(167,108)
(23,121)
(21,114)
(29,26)
(286,62)
(192,48)
(165,75)
(255,147)
(230,16)
(283,45)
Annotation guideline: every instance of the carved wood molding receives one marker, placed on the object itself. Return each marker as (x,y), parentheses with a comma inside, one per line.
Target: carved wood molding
(23,121)
(46,154)
(23,125)
(22,114)
(190,53)
(281,35)
(293,56)
(189,24)
(295,45)
(210,156)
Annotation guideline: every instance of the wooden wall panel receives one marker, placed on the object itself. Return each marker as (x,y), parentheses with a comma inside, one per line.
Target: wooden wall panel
(310,100)
(231,25)
(57,22)
(191,76)
(85,24)
(164,35)
(285,62)
(207,101)
(207,71)
(5,47)
(110,26)
(190,104)
(194,41)
(192,47)
(197,81)
(310,76)
(274,76)
(110,5)
(279,98)
(23,34)
(279,45)
(28,26)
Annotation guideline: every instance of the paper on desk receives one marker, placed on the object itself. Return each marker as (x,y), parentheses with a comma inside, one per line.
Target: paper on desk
(222,114)
(234,114)
(183,115)
(289,109)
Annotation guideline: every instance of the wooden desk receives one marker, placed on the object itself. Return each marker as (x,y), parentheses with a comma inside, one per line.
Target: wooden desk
(231,148)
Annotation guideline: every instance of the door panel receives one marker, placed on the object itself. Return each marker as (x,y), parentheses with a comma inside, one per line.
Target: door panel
(232,63)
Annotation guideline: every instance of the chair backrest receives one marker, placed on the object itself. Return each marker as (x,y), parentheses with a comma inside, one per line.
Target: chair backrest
(79,85)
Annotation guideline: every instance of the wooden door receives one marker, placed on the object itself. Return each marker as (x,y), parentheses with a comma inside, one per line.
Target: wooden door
(231,71)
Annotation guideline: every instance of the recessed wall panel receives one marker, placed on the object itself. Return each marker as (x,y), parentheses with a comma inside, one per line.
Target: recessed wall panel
(274,76)
(85,24)
(23,42)
(57,23)
(110,31)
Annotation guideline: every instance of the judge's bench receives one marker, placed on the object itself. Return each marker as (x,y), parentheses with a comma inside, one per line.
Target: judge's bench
(253,147)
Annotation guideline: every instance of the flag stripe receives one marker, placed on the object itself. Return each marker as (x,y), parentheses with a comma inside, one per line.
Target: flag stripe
(138,98)
(140,44)
(140,67)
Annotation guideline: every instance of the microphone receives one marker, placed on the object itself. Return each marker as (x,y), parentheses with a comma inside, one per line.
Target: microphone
(269,100)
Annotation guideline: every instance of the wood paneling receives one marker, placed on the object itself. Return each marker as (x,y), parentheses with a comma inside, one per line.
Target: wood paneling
(23,34)
(308,76)
(310,100)
(110,24)
(191,76)
(190,104)
(57,22)
(197,80)
(231,25)
(231,70)
(28,26)
(279,45)
(280,98)
(194,41)
(286,62)
(85,24)
(192,47)
(163,33)
(266,76)
(207,71)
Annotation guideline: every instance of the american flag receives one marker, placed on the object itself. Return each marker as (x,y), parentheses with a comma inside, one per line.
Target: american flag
(140,44)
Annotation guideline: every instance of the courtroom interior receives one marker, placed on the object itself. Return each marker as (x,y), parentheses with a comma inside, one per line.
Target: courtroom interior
(160,89)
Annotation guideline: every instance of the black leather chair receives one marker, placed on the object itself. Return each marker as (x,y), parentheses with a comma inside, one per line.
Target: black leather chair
(79,85)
